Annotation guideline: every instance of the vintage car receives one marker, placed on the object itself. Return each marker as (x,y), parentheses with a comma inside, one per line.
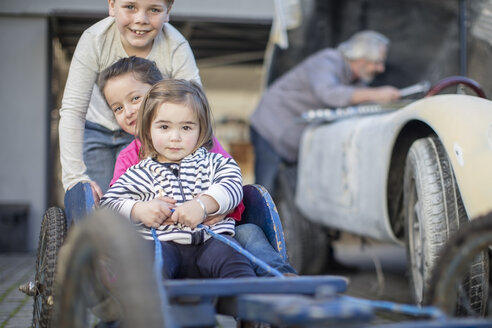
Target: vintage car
(409,174)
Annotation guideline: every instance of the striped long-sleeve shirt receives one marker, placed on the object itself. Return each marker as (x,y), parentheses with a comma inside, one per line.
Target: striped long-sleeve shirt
(199,173)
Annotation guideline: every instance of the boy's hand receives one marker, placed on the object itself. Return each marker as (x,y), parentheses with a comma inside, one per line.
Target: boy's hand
(96,192)
(152,213)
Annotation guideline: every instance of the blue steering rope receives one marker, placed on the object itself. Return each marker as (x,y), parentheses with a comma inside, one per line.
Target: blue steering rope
(159,261)
(158,265)
(242,251)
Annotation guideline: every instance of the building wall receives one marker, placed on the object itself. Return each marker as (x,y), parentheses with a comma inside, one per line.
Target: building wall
(24,120)
(251,9)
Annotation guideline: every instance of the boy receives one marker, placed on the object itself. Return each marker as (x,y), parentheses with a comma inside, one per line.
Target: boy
(90,137)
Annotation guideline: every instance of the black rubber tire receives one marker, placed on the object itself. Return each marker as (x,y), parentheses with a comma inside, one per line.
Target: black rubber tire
(455,269)
(104,266)
(433,212)
(306,242)
(51,236)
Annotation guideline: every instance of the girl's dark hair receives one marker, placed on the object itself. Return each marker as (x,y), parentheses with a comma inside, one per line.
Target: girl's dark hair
(175,91)
(144,70)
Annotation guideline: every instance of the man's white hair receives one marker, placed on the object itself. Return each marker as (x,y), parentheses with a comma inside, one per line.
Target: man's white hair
(364,44)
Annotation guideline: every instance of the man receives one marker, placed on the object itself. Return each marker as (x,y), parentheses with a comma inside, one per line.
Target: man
(327,79)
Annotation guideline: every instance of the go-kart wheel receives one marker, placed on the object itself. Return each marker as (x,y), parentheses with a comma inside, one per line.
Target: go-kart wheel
(433,211)
(455,268)
(306,242)
(51,236)
(105,266)
(456,80)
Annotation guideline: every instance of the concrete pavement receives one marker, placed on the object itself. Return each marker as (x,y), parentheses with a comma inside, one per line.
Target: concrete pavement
(15,307)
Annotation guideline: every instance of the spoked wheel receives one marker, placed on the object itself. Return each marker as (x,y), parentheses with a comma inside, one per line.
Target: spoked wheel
(433,212)
(51,236)
(306,242)
(104,266)
(450,287)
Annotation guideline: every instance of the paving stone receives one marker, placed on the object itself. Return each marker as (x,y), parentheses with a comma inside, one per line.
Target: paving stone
(15,307)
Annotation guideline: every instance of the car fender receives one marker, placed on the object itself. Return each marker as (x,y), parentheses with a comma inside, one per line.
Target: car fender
(344,166)
(342,169)
(464,126)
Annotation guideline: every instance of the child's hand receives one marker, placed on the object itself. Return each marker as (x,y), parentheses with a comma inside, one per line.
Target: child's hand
(189,214)
(170,201)
(152,213)
(172,204)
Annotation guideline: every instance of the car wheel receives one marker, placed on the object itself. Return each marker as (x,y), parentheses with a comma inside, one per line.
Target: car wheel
(458,285)
(51,236)
(433,211)
(103,266)
(306,242)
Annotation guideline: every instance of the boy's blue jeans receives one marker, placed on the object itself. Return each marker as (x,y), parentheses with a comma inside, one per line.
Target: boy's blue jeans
(79,203)
(253,239)
(101,148)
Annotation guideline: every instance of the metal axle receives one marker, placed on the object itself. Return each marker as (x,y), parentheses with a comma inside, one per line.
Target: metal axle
(29,288)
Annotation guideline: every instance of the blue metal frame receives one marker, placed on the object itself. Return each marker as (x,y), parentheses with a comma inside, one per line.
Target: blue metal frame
(261,210)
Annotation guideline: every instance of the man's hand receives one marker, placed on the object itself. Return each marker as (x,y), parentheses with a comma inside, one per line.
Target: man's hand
(378,95)
(152,213)
(386,94)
